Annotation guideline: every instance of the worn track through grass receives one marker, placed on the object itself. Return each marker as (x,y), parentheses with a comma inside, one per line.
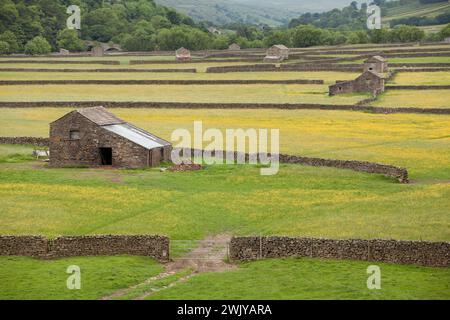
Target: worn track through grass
(208,256)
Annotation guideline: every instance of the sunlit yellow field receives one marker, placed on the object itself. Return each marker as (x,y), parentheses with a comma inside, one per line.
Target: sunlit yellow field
(419,142)
(421,78)
(328,76)
(255,93)
(200,66)
(414,98)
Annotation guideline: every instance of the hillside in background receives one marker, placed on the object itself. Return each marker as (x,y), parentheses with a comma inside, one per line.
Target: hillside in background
(396,12)
(273,13)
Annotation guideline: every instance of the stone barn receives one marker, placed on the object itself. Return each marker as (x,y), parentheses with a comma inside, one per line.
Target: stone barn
(377,64)
(369,81)
(95,137)
(183,54)
(277,53)
(97,51)
(234,47)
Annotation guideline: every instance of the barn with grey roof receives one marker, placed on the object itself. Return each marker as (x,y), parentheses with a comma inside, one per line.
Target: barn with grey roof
(96,137)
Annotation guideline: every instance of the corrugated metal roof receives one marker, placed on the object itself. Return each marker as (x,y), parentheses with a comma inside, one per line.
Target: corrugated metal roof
(100,116)
(136,135)
(110,122)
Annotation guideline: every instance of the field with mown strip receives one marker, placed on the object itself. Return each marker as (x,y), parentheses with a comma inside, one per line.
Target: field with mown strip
(328,76)
(414,98)
(298,201)
(252,93)
(35,279)
(313,279)
(416,9)
(421,78)
(420,143)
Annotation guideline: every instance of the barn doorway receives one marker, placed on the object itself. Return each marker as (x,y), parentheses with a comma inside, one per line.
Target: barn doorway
(105,156)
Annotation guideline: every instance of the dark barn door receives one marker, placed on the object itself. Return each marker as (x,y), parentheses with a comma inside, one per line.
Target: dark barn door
(105,156)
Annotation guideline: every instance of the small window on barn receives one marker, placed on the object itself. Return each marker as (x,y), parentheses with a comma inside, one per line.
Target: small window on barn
(74,135)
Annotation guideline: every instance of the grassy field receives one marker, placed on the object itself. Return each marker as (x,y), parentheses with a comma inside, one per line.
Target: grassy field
(292,278)
(200,66)
(298,201)
(418,142)
(251,93)
(313,279)
(414,98)
(33,279)
(329,77)
(421,78)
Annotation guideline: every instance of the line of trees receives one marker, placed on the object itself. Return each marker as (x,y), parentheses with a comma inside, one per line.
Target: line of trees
(141,25)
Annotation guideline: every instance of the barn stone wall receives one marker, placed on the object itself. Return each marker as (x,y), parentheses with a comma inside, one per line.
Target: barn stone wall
(37,246)
(434,254)
(85,151)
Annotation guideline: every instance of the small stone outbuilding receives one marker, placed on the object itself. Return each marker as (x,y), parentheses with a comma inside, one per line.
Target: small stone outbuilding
(369,81)
(95,137)
(97,51)
(64,52)
(183,54)
(277,53)
(377,64)
(234,47)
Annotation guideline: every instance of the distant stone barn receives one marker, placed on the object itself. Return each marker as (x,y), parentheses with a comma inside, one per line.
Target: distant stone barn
(234,47)
(377,64)
(277,53)
(95,137)
(183,54)
(369,81)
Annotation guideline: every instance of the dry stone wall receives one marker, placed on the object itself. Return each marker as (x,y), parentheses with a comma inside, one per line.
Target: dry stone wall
(36,141)
(187,70)
(37,246)
(31,246)
(401,174)
(200,105)
(107,62)
(158,82)
(434,254)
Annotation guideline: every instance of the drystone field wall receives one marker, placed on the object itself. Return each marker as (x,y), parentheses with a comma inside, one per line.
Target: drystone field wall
(69,246)
(107,62)
(36,141)
(30,246)
(433,254)
(182,105)
(187,70)
(401,174)
(157,82)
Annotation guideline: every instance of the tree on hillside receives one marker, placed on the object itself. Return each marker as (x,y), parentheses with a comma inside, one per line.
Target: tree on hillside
(4,47)
(306,36)
(68,39)
(405,33)
(38,45)
(445,33)
(278,37)
(10,38)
